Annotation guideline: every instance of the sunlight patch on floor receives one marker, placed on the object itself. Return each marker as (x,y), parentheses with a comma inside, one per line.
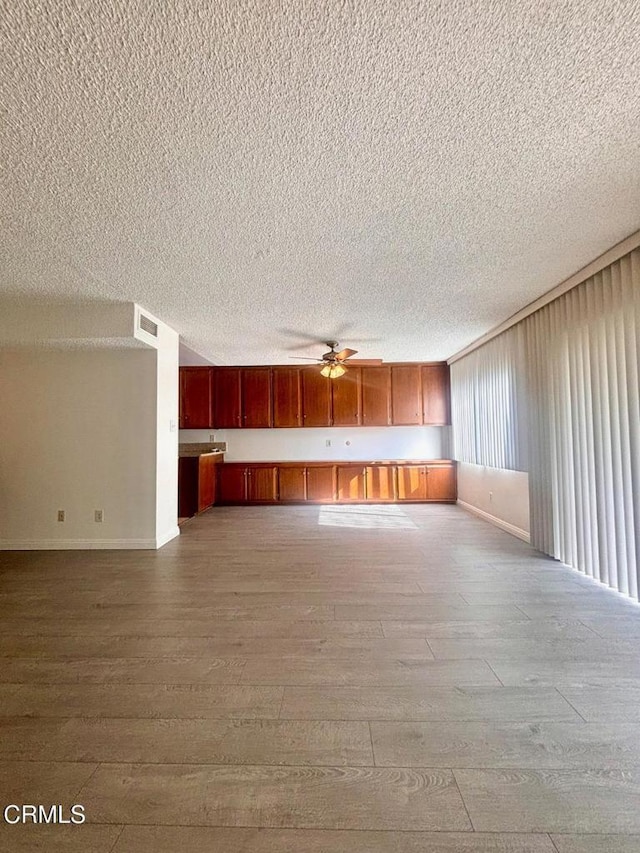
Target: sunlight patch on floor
(365,516)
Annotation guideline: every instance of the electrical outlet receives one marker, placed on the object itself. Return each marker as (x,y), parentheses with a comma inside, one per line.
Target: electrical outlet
(60,515)
(98,515)
(490,497)
(328,442)
(212,436)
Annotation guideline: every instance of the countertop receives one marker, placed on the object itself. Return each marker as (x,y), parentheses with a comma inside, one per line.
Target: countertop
(187,450)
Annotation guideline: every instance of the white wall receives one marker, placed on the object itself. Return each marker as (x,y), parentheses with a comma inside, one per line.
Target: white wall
(310,444)
(496,494)
(77,432)
(166,435)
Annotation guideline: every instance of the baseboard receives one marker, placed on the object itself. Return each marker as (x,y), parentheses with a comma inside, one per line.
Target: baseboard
(498,522)
(77,544)
(167,537)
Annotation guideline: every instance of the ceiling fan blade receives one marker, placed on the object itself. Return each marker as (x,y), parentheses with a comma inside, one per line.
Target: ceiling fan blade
(366,362)
(306,358)
(345,353)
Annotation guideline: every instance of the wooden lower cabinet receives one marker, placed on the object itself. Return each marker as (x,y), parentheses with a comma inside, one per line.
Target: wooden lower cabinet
(286,482)
(381,483)
(197,483)
(441,483)
(351,482)
(232,484)
(321,484)
(262,485)
(412,483)
(292,484)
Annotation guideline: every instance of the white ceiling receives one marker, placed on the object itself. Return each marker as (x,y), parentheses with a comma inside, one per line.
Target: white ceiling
(259,173)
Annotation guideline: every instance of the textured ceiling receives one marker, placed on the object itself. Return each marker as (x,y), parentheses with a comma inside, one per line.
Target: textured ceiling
(257,173)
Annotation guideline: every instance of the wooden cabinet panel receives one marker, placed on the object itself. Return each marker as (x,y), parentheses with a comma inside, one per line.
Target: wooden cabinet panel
(346,398)
(412,482)
(376,396)
(227,398)
(261,484)
(316,398)
(381,483)
(256,397)
(441,483)
(287,408)
(207,473)
(232,484)
(197,476)
(292,484)
(351,482)
(321,484)
(195,397)
(436,404)
(406,394)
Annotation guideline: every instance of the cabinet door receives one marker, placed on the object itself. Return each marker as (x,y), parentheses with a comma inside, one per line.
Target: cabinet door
(381,483)
(376,396)
(406,394)
(316,398)
(227,398)
(351,480)
(321,484)
(232,484)
(346,398)
(261,484)
(412,483)
(287,410)
(256,397)
(441,483)
(292,484)
(436,397)
(195,397)
(206,482)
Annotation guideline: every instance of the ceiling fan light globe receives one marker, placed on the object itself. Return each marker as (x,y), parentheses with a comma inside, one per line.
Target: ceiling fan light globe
(333,371)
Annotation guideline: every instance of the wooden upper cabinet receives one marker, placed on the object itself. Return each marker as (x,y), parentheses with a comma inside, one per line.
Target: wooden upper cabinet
(316,398)
(256,397)
(287,408)
(263,397)
(436,395)
(412,482)
(346,398)
(406,394)
(195,397)
(376,396)
(226,410)
(441,483)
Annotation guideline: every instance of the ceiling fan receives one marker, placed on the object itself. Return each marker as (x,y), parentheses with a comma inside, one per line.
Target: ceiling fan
(333,363)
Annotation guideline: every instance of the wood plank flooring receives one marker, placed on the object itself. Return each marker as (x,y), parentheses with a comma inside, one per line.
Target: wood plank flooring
(282,681)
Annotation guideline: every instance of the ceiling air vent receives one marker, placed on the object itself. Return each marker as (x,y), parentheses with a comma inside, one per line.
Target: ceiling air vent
(147,325)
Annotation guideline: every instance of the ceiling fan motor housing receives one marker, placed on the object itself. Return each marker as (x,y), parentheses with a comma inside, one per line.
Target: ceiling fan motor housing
(331,355)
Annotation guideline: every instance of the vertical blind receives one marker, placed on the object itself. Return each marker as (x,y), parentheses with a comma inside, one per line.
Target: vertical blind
(558,394)
(584,437)
(488,406)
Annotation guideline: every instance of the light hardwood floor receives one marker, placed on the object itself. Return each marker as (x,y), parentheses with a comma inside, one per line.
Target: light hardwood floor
(287,679)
